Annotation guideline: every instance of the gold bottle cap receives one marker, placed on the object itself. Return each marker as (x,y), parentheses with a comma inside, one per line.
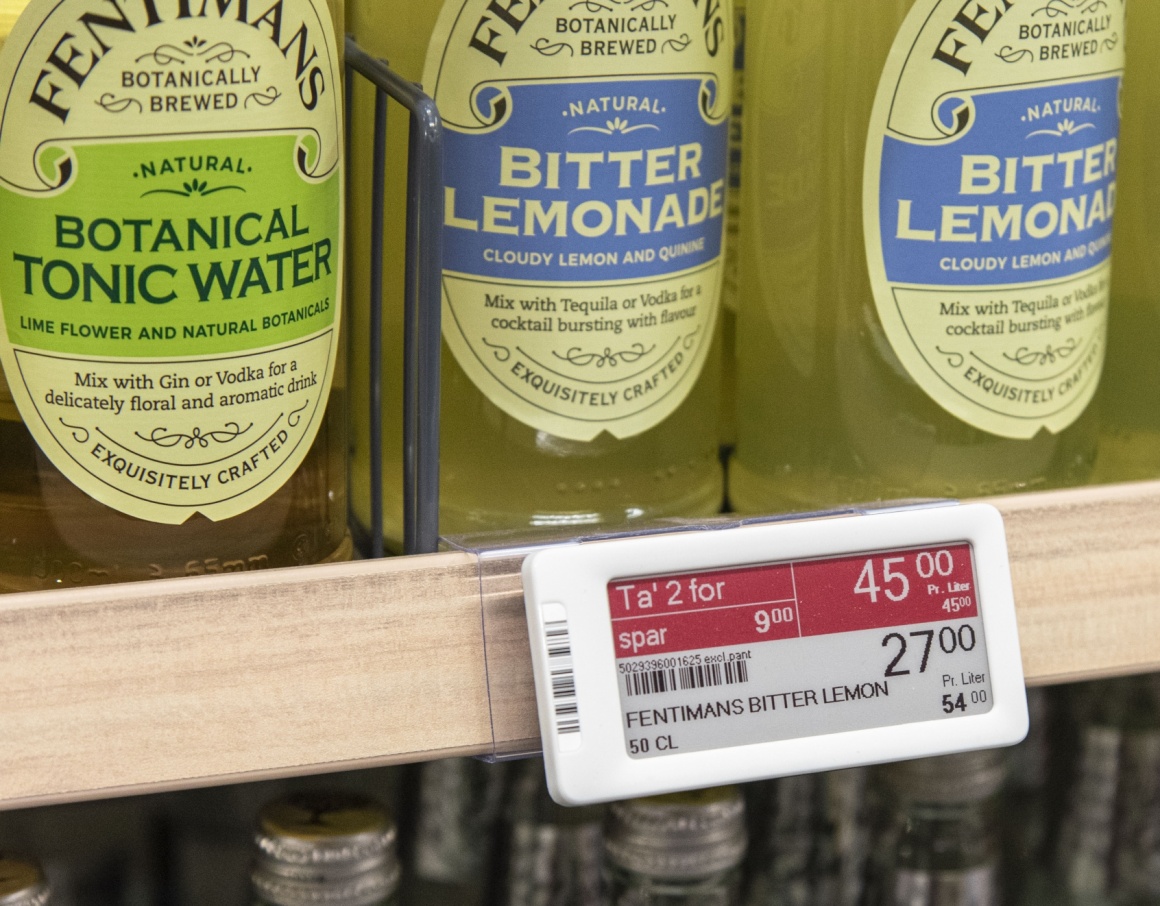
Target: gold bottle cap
(685,835)
(22,882)
(325,848)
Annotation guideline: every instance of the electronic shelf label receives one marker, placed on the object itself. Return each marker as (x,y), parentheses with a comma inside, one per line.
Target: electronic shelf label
(696,658)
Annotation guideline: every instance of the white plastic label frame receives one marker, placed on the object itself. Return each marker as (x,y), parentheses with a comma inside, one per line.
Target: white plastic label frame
(584,741)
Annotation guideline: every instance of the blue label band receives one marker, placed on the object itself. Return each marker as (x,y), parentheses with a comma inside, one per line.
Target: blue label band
(598,182)
(1025,193)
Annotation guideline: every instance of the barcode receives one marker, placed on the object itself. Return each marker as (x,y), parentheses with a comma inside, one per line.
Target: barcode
(563,679)
(669,680)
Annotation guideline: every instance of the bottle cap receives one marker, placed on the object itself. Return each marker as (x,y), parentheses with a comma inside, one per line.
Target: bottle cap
(685,835)
(325,848)
(950,779)
(22,882)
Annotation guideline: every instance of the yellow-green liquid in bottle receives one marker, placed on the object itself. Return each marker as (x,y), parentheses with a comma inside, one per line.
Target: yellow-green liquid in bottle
(833,406)
(10,11)
(56,534)
(1130,391)
(500,469)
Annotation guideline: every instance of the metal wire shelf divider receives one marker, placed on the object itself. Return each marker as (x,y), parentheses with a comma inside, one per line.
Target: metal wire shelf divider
(422,294)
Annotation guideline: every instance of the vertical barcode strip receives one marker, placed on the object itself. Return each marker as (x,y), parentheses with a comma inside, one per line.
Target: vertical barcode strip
(652,682)
(563,679)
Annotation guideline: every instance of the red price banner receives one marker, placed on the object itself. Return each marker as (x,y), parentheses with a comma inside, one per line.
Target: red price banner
(715,609)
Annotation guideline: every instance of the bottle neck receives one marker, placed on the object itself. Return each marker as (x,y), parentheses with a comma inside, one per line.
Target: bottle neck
(392,900)
(629,888)
(320,895)
(946,836)
(978,886)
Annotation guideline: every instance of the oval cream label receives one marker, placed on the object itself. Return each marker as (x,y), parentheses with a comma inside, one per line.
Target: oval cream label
(586,169)
(990,185)
(171,188)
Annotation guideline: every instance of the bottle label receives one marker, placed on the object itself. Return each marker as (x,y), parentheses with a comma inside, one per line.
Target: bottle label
(989,191)
(585,191)
(171,188)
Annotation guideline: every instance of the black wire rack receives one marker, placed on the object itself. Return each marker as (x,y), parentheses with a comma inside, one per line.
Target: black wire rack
(422,294)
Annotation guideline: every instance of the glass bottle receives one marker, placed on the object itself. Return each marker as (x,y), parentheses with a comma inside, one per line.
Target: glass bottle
(1085,849)
(10,11)
(1136,863)
(1130,405)
(22,882)
(458,809)
(611,414)
(325,848)
(1026,806)
(810,847)
(684,849)
(551,855)
(943,846)
(205,837)
(849,809)
(144,432)
(894,340)
(93,853)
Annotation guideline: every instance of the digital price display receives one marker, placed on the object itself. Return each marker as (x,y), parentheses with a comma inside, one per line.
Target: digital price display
(676,661)
(790,649)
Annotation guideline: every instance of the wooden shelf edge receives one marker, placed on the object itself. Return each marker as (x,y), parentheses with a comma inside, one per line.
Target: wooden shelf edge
(150,787)
(1085,565)
(155,686)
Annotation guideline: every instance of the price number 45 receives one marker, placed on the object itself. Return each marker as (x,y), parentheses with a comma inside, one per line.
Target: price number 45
(895,583)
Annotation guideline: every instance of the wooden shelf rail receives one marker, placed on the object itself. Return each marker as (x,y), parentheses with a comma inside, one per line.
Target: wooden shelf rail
(153,686)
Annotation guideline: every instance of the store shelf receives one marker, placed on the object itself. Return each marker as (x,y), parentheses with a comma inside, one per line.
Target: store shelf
(190,682)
